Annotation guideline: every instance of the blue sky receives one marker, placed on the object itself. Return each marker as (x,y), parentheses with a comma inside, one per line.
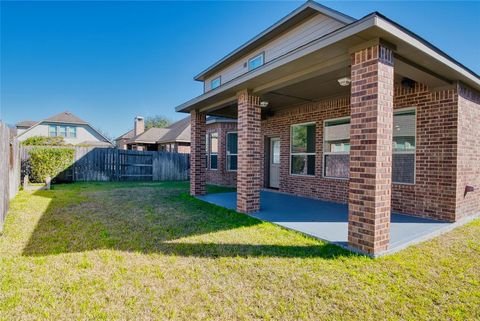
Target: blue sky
(109,61)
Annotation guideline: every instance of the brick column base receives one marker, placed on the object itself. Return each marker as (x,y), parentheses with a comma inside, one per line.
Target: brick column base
(371,149)
(249,153)
(197,154)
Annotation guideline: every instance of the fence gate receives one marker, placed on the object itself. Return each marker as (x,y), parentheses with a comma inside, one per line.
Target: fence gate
(134,165)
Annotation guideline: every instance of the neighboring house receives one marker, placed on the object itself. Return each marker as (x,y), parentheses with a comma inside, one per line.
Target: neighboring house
(362,112)
(74,130)
(174,138)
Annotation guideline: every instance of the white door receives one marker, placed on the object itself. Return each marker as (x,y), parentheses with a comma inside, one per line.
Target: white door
(274,163)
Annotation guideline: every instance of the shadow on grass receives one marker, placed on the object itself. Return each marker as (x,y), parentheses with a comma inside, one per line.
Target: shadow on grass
(151,218)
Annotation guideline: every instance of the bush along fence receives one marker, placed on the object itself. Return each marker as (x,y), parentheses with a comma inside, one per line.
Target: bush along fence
(84,164)
(9,170)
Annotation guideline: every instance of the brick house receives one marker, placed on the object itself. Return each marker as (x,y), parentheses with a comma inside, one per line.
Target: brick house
(362,112)
(174,138)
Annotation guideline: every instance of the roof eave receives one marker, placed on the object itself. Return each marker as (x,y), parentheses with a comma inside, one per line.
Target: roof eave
(276,28)
(373,20)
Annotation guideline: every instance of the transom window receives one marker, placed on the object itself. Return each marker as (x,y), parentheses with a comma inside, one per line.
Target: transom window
(336,148)
(302,151)
(213,150)
(215,83)
(255,62)
(232,151)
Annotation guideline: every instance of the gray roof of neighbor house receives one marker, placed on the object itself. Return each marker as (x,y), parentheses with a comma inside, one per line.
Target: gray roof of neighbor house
(127,135)
(66,117)
(26,123)
(177,132)
(151,135)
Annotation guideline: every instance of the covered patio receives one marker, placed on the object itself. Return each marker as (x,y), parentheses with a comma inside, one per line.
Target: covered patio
(352,117)
(328,221)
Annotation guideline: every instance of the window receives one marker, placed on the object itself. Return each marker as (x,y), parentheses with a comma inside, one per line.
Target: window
(52,130)
(302,152)
(255,62)
(213,150)
(404,144)
(336,148)
(72,132)
(232,154)
(215,83)
(62,131)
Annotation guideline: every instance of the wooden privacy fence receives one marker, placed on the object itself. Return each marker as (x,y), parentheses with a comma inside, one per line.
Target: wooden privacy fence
(110,164)
(9,170)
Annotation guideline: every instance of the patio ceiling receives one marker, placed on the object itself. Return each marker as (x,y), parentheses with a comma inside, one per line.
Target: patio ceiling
(325,86)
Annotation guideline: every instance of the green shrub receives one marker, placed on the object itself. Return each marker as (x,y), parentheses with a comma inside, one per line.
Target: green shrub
(45,161)
(44,141)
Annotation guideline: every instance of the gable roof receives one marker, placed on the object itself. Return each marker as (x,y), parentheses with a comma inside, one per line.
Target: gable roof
(65,118)
(151,135)
(373,26)
(26,123)
(127,135)
(307,9)
(178,131)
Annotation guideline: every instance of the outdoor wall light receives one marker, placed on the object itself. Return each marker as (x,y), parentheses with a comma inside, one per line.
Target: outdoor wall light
(345,81)
(264,104)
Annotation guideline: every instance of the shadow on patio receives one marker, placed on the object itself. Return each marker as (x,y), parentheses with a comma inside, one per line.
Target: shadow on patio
(328,220)
(148,219)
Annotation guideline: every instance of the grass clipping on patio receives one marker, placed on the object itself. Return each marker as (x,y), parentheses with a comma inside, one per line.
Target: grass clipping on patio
(143,251)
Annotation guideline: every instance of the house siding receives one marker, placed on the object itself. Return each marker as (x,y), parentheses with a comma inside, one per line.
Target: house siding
(310,29)
(84,133)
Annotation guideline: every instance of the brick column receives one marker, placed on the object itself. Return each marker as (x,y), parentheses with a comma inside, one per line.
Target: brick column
(371,149)
(197,153)
(249,153)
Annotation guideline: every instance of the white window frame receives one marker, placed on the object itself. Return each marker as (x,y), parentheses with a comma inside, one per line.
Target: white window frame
(332,153)
(50,133)
(227,154)
(74,130)
(210,150)
(307,154)
(219,82)
(414,152)
(261,54)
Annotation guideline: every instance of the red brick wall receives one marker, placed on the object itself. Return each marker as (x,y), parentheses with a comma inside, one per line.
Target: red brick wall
(197,155)
(250,150)
(279,124)
(371,132)
(468,158)
(433,194)
(221,176)
(438,191)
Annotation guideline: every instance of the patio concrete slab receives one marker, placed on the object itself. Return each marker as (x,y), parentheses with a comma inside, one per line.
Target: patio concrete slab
(328,221)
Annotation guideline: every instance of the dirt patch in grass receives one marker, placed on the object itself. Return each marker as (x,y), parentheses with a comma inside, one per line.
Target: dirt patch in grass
(147,251)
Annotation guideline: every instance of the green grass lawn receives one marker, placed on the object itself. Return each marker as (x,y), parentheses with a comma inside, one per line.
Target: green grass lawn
(147,251)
